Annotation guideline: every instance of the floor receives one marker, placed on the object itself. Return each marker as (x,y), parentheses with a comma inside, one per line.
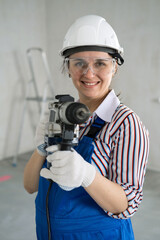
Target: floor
(17,206)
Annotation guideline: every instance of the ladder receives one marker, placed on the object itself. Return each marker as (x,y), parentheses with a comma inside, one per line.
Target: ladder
(37,98)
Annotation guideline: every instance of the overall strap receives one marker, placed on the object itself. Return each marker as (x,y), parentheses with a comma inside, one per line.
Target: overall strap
(95,128)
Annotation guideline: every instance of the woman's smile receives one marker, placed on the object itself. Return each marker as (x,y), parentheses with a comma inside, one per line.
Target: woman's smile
(90,84)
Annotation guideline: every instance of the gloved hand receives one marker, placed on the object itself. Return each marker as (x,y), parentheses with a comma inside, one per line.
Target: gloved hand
(40,134)
(68,169)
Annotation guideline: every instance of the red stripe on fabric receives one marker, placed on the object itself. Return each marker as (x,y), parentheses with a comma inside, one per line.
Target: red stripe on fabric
(118,120)
(133,153)
(105,152)
(99,157)
(122,153)
(139,156)
(98,166)
(128,148)
(121,108)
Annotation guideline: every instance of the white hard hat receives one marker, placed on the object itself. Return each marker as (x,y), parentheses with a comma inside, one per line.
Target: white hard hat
(91,33)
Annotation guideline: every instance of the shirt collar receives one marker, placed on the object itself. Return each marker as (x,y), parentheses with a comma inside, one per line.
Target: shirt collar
(107,108)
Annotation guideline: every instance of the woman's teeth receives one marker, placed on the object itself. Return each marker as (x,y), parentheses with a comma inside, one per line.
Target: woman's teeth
(89,84)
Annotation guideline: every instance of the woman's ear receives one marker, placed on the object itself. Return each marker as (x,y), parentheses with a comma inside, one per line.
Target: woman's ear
(115,69)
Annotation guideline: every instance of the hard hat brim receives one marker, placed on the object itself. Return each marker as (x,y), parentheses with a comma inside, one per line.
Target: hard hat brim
(70,51)
(113,52)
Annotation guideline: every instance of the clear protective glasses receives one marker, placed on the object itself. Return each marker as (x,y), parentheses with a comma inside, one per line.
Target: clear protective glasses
(96,65)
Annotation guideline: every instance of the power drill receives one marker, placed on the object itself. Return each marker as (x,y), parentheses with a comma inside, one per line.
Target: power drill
(66,115)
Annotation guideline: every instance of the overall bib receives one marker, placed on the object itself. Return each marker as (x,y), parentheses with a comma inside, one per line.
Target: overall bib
(74,215)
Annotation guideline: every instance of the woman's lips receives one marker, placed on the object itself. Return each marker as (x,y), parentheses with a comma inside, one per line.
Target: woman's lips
(90,83)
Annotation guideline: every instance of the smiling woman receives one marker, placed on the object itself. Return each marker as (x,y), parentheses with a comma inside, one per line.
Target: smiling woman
(97,186)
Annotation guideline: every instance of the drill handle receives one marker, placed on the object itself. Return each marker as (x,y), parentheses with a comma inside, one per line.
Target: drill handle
(66,145)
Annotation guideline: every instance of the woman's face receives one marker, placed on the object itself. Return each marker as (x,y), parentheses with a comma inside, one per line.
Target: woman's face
(91,73)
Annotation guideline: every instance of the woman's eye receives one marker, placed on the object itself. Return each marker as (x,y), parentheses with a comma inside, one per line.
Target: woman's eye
(100,64)
(79,64)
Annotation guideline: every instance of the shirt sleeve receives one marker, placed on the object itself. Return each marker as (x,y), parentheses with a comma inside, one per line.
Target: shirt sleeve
(127,166)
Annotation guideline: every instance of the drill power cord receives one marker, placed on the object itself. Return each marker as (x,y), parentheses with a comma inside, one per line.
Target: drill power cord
(47,210)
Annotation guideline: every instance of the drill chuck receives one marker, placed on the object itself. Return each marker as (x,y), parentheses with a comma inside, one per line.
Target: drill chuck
(76,113)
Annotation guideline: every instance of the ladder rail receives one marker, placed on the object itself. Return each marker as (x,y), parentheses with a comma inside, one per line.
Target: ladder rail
(46,67)
(37,97)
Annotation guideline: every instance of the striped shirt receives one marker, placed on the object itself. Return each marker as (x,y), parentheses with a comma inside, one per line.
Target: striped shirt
(120,150)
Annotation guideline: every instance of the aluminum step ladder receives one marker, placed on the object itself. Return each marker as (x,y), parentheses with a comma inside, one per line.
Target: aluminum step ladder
(37,98)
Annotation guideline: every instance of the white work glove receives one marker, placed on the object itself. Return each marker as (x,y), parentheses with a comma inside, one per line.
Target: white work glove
(40,134)
(68,169)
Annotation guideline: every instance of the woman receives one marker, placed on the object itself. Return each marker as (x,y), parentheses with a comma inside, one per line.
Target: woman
(98,185)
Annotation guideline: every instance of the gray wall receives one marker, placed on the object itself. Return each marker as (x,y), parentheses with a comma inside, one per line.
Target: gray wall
(22,25)
(44,23)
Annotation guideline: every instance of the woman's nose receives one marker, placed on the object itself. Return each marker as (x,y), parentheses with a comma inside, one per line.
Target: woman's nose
(89,72)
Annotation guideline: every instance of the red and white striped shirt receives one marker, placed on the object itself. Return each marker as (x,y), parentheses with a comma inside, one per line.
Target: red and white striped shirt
(120,150)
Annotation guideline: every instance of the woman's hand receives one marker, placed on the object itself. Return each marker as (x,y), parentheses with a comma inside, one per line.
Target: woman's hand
(68,169)
(39,136)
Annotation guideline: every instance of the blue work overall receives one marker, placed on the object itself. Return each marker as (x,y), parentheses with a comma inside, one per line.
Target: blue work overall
(74,215)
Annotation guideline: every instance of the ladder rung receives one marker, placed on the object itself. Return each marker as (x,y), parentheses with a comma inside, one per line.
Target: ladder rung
(38,99)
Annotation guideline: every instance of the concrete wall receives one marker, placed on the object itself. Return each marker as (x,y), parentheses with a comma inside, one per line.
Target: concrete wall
(44,23)
(22,25)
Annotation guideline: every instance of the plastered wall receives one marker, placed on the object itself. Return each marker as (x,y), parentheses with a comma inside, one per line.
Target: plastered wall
(22,25)
(44,23)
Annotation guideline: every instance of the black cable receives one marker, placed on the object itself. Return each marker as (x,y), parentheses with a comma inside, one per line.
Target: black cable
(47,210)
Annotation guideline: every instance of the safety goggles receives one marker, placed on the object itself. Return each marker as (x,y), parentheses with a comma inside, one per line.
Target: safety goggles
(96,65)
